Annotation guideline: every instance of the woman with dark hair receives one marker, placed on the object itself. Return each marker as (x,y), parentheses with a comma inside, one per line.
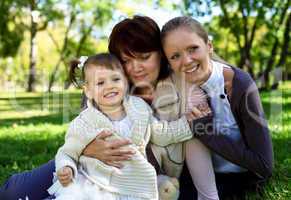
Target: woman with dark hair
(137,43)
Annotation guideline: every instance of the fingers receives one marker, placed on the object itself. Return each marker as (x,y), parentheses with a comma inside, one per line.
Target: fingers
(117,155)
(103,134)
(117,143)
(198,111)
(115,164)
(65,175)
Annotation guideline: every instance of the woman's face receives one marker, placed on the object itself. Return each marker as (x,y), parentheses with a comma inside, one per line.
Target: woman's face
(143,69)
(188,55)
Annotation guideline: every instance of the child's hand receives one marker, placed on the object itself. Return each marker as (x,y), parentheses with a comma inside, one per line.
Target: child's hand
(65,175)
(199,111)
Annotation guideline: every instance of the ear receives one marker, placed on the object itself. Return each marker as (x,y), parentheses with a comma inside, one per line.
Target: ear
(87,92)
(210,47)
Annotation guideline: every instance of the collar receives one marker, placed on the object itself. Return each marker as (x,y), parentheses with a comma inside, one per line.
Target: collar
(215,81)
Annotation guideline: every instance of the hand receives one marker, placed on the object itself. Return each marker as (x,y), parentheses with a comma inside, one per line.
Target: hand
(199,111)
(65,175)
(110,152)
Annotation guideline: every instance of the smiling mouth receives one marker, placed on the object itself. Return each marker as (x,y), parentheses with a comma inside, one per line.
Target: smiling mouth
(192,69)
(141,77)
(111,94)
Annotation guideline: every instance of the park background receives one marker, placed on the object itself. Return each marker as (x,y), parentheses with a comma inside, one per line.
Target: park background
(38,38)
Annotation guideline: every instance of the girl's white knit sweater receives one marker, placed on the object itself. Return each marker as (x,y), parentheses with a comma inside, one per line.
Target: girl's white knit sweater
(137,178)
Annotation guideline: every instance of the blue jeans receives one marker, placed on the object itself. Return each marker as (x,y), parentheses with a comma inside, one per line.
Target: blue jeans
(33,184)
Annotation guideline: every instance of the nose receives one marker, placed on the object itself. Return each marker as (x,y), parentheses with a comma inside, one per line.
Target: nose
(136,66)
(187,59)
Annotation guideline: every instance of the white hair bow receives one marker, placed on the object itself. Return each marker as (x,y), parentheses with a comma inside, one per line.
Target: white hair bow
(82,61)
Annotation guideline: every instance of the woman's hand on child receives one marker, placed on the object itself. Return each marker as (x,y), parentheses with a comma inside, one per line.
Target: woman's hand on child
(110,152)
(65,175)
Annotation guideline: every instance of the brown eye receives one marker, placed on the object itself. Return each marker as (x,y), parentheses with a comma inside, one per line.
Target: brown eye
(145,56)
(174,57)
(192,49)
(116,79)
(100,83)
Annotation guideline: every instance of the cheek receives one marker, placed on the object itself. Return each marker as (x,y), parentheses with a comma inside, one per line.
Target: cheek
(152,67)
(174,66)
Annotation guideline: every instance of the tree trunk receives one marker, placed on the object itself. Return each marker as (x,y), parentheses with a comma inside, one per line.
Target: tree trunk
(284,52)
(61,51)
(286,46)
(32,54)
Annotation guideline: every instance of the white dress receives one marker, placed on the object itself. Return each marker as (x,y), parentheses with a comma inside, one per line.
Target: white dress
(84,189)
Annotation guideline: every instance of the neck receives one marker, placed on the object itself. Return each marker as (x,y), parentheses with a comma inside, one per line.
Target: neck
(145,90)
(207,74)
(114,112)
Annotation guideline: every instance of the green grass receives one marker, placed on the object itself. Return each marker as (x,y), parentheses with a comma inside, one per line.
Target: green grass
(32,127)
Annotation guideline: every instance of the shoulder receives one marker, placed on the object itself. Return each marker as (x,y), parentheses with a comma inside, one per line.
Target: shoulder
(165,93)
(165,85)
(137,103)
(87,117)
(242,79)
(136,100)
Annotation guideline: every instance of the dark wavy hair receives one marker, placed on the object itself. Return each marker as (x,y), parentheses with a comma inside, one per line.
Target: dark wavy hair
(139,34)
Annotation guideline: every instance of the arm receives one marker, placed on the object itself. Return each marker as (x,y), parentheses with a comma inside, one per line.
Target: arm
(164,133)
(69,153)
(79,134)
(254,150)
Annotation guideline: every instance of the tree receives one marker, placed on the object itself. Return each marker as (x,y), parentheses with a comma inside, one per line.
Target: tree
(11,28)
(20,16)
(83,17)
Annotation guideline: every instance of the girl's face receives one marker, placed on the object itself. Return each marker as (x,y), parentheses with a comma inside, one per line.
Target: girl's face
(107,87)
(188,55)
(143,69)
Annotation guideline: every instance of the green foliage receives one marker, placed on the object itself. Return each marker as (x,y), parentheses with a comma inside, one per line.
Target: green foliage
(11,30)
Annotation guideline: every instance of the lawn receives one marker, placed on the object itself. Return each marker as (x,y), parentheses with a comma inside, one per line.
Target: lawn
(32,127)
